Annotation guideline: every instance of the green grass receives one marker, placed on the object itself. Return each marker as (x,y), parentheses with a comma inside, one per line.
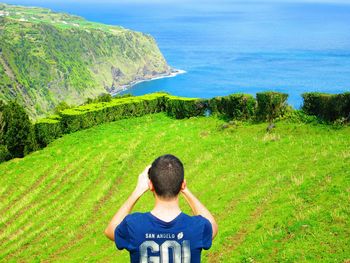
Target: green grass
(279,197)
(63,20)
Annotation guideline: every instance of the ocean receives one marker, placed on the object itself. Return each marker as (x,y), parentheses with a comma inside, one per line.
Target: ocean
(234,46)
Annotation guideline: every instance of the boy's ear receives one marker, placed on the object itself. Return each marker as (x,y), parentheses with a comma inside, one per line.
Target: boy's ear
(150,186)
(183,185)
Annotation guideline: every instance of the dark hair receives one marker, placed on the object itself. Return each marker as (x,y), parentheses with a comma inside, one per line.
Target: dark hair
(167,175)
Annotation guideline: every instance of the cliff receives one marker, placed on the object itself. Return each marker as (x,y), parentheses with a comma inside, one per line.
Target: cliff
(48,57)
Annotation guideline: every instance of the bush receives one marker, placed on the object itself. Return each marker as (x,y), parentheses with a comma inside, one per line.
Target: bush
(47,130)
(328,107)
(236,106)
(17,131)
(4,152)
(2,122)
(271,105)
(180,108)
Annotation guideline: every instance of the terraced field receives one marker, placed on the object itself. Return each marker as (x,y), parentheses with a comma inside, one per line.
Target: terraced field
(280,197)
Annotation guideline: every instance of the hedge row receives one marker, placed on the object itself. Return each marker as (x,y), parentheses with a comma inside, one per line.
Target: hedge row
(86,116)
(238,106)
(267,106)
(89,115)
(329,107)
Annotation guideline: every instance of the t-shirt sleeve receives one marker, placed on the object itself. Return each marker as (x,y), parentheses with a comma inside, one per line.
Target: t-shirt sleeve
(207,234)
(121,235)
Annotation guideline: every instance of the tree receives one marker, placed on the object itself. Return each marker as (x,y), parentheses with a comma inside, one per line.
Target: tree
(2,122)
(4,153)
(17,132)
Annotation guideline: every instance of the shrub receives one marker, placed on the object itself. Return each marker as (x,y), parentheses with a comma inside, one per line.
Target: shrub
(2,122)
(180,108)
(237,106)
(328,107)
(47,130)
(4,153)
(270,105)
(17,130)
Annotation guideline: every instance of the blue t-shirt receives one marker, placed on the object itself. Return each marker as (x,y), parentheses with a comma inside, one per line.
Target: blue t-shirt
(151,240)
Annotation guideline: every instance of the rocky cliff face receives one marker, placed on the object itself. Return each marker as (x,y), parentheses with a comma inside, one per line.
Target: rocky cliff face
(48,57)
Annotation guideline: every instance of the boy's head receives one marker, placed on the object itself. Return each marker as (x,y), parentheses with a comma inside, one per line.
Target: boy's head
(167,176)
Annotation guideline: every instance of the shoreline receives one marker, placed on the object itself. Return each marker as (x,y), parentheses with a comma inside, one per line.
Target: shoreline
(173,73)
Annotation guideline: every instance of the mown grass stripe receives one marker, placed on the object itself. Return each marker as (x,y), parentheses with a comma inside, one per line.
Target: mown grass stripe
(51,176)
(29,203)
(34,206)
(13,174)
(28,232)
(79,229)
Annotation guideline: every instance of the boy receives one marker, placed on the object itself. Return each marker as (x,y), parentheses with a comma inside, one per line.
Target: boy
(164,235)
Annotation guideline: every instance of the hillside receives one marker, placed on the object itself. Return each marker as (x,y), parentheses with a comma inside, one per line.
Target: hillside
(279,197)
(48,57)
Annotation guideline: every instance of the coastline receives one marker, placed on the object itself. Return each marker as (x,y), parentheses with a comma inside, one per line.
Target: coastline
(173,73)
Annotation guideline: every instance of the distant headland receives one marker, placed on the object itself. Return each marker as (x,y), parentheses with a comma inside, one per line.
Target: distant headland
(48,57)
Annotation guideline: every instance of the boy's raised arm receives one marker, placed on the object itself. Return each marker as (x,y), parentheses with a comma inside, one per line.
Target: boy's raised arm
(125,209)
(199,209)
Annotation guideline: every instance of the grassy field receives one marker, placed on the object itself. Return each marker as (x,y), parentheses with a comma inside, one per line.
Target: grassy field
(279,197)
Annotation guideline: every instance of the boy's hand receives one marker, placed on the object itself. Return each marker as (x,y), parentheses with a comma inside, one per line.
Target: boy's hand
(142,182)
(125,209)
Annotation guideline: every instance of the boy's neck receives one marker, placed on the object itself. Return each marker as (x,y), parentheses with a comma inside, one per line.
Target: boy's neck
(166,210)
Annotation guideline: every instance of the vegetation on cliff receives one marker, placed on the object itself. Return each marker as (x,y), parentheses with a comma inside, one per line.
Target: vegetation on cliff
(48,57)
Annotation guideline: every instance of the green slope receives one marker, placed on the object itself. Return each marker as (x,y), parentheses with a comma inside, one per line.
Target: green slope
(48,57)
(282,197)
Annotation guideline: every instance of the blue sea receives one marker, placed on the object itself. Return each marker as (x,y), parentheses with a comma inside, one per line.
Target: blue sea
(235,46)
